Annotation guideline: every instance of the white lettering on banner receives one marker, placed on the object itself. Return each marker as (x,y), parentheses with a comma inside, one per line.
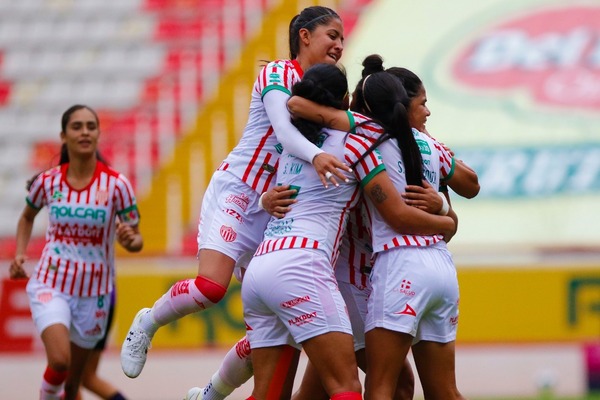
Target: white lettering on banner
(550,53)
(535,172)
(566,87)
(516,48)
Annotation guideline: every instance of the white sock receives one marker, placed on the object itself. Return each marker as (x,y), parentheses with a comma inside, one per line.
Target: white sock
(236,367)
(50,392)
(182,299)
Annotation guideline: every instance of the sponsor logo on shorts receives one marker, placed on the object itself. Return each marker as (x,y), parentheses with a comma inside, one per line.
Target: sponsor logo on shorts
(295,302)
(454,320)
(234,214)
(241,200)
(100,314)
(303,319)
(94,331)
(44,297)
(408,310)
(228,234)
(405,288)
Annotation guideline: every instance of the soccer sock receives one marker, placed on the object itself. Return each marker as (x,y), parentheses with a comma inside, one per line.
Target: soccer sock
(347,396)
(52,384)
(184,297)
(235,370)
(236,367)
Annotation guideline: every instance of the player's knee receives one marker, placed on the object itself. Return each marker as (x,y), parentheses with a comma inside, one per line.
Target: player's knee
(212,290)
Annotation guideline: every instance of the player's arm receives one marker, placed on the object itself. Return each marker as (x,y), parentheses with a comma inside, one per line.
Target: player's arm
(464,181)
(295,143)
(24,229)
(331,117)
(401,217)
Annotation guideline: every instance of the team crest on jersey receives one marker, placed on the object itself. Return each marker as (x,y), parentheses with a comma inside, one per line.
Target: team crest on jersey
(101,197)
(57,195)
(227,233)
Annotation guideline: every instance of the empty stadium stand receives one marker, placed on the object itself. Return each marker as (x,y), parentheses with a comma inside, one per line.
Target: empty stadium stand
(146,66)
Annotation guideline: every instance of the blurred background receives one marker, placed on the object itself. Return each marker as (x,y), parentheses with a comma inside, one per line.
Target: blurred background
(514,90)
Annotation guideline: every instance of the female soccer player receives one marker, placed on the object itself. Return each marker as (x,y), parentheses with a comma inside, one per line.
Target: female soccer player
(415,291)
(89,204)
(290,293)
(231,223)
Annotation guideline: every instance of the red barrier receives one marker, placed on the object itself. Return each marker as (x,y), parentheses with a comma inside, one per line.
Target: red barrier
(17,332)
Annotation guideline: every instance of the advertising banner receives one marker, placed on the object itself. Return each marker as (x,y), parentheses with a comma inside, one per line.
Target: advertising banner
(514,90)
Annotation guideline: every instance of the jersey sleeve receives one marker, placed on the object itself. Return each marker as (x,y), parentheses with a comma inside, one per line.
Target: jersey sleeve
(277,75)
(368,166)
(446,161)
(125,202)
(36,197)
(364,126)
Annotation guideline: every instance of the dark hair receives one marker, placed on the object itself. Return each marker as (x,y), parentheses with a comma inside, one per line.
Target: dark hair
(309,18)
(324,84)
(411,82)
(381,96)
(64,122)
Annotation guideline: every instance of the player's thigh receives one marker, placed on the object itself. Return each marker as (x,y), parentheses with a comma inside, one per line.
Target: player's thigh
(332,355)
(384,349)
(57,344)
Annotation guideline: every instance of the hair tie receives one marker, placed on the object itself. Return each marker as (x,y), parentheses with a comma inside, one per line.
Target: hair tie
(363,91)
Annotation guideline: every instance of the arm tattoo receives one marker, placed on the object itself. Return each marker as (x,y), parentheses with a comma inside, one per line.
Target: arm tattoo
(378,194)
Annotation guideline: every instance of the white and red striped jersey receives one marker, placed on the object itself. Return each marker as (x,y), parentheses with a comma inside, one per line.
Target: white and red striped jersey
(354,261)
(318,219)
(255,158)
(78,258)
(437,164)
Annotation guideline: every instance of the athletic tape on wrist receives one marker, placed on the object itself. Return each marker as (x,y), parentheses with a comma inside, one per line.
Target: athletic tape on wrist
(445,206)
